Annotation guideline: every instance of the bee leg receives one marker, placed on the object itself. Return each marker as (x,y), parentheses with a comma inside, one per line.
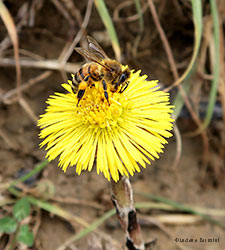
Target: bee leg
(80,94)
(82,88)
(105,90)
(116,86)
(123,89)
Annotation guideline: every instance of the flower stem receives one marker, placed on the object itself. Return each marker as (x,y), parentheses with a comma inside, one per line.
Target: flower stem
(122,197)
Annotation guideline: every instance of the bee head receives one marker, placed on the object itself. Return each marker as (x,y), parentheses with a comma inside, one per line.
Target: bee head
(122,80)
(124,76)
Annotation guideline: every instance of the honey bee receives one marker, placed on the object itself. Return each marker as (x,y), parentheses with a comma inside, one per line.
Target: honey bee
(101,68)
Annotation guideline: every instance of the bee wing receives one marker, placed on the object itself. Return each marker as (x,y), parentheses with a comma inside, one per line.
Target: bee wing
(90,56)
(96,48)
(87,54)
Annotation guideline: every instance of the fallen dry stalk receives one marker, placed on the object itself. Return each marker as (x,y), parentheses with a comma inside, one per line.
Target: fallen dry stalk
(46,64)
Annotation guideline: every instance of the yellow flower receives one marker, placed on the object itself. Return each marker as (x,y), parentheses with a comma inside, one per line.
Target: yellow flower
(116,138)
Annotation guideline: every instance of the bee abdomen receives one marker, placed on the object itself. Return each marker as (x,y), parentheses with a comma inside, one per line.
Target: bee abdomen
(93,72)
(81,73)
(76,79)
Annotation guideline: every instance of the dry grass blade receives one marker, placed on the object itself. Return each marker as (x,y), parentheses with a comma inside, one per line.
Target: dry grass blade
(156,222)
(78,202)
(178,148)
(28,109)
(167,207)
(178,219)
(37,222)
(11,144)
(183,208)
(22,16)
(6,201)
(11,28)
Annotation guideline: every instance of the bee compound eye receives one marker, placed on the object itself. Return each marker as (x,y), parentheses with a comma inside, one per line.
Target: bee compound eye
(123,78)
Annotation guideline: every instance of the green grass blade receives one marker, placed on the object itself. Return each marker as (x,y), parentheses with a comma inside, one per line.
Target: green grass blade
(38,168)
(179,101)
(93,226)
(34,171)
(106,19)
(216,66)
(197,19)
(141,27)
(140,15)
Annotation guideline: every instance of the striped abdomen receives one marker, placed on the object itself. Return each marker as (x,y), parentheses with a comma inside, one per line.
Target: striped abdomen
(88,71)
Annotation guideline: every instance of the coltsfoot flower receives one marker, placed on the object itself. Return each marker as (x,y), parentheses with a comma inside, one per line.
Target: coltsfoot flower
(117,138)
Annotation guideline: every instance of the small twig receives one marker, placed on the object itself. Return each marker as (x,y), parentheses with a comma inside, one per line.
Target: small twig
(32,11)
(63,58)
(30,54)
(77,202)
(164,39)
(73,11)
(178,9)
(37,223)
(141,28)
(10,94)
(28,110)
(7,140)
(13,242)
(122,5)
(64,12)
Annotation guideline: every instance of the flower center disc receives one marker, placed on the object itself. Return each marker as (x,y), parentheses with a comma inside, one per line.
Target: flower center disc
(96,110)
